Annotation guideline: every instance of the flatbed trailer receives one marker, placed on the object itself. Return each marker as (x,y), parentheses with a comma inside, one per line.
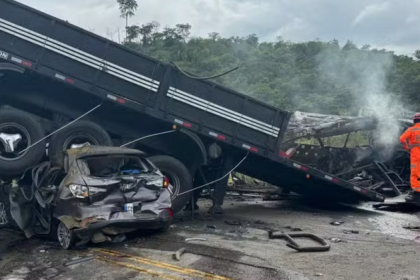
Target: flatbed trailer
(54,70)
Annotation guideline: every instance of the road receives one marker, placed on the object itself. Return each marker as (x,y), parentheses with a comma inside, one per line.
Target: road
(236,246)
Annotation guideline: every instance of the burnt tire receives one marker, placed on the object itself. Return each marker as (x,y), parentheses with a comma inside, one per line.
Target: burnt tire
(92,132)
(11,122)
(179,176)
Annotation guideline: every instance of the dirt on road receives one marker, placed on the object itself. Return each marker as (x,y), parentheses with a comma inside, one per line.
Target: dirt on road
(365,244)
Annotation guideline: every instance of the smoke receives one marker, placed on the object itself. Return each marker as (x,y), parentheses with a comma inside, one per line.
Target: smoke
(364,75)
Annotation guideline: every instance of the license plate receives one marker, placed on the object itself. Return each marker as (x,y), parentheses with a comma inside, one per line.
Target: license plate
(129,207)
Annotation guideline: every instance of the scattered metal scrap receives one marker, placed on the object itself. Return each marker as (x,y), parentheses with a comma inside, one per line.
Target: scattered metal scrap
(416,228)
(195,239)
(233,223)
(294,245)
(177,255)
(77,261)
(350,231)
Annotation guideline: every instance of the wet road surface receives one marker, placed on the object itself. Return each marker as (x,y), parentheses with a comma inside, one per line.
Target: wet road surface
(236,247)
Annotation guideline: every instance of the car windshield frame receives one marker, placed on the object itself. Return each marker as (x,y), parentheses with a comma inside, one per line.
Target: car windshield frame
(85,165)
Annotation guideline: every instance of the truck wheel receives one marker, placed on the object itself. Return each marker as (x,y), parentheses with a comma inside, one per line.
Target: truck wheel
(18,131)
(179,179)
(74,136)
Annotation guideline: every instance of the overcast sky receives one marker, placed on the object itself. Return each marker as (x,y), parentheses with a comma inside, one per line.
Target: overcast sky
(391,24)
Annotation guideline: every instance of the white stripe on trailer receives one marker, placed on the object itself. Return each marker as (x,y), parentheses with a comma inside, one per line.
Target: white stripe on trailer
(248,147)
(112,97)
(289,151)
(78,55)
(221,111)
(61,77)
(328,177)
(179,122)
(297,165)
(15,59)
(357,189)
(213,134)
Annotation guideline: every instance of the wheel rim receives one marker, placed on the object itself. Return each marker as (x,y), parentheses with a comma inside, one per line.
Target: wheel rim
(3,214)
(174,183)
(77,140)
(14,130)
(64,236)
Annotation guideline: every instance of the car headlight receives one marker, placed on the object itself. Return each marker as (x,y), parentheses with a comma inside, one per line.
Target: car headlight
(80,191)
(157,183)
(94,190)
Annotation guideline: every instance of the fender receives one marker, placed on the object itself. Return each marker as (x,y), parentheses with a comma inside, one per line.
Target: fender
(5,66)
(199,143)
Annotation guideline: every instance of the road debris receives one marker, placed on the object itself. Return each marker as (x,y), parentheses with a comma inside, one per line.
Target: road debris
(211,226)
(337,223)
(318,274)
(233,223)
(79,260)
(324,246)
(293,228)
(337,240)
(350,231)
(177,255)
(195,239)
(416,228)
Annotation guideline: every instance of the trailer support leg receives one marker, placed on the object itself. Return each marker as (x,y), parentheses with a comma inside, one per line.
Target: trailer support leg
(220,187)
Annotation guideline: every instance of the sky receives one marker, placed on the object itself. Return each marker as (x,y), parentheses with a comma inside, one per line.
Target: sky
(390,24)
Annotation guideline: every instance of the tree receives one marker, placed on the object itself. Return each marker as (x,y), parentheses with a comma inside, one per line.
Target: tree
(127,9)
(184,30)
(146,31)
(214,36)
(314,76)
(417,54)
(133,32)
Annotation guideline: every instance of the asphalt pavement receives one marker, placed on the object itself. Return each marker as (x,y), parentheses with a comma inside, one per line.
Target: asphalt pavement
(365,244)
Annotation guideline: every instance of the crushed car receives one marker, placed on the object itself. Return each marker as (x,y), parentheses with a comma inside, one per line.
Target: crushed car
(99,194)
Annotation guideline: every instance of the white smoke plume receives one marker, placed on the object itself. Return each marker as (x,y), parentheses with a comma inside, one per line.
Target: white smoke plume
(364,74)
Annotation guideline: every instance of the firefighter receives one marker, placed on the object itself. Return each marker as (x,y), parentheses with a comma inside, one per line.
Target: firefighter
(411,143)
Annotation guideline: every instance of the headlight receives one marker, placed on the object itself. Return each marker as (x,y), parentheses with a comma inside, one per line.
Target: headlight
(94,190)
(79,191)
(157,183)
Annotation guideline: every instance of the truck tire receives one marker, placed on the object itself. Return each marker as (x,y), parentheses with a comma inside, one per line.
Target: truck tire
(77,133)
(15,123)
(179,177)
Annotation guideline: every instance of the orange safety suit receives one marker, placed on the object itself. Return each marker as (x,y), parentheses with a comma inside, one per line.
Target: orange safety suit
(411,142)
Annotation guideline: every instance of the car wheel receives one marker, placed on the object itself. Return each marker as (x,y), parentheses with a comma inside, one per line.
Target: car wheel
(4,217)
(179,180)
(76,135)
(18,131)
(65,236)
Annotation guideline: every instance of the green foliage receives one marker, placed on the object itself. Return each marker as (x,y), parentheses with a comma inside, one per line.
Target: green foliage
(127,9)
(312,76)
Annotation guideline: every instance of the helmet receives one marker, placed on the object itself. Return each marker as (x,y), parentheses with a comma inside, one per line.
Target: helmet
(416,116)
